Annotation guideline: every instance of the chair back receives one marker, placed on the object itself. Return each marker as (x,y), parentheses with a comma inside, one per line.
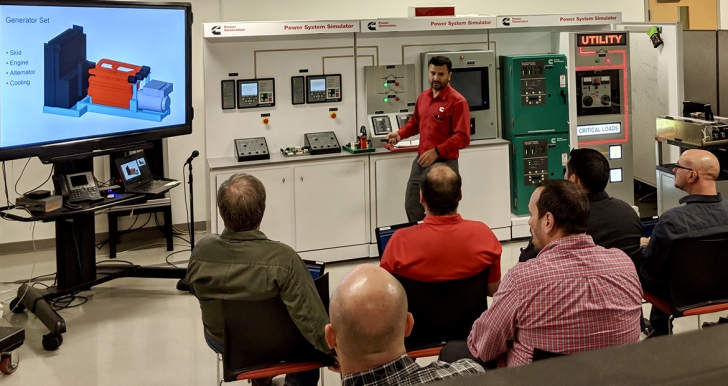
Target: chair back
(698,272)
(261,333)
(444,311)
(539,354)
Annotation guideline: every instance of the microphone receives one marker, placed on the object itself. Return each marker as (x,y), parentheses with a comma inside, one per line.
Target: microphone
(194,154)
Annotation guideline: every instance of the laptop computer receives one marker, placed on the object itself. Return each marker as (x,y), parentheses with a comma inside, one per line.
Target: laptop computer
(383,234)
(648,225)
(315,268)
(137,176)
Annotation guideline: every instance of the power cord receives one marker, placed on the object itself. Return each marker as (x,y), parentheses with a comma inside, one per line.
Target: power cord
(21,176)
(174,253)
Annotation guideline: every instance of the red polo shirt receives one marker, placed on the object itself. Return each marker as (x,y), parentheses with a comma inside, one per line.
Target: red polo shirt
(443,248)
(442,122)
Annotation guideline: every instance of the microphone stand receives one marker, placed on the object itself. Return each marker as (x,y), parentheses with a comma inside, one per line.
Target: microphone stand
(183,284)
(192,210)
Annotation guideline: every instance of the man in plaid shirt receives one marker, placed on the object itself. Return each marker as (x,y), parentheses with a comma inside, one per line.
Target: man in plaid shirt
(574,296)
(369,321)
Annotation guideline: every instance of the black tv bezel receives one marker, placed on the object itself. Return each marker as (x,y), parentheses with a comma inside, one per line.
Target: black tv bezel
(52,149)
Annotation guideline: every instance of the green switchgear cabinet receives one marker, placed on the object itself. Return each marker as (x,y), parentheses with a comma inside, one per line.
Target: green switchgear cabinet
(535,114)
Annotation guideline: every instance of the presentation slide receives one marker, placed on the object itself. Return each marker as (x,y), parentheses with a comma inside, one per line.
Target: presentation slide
(60,71)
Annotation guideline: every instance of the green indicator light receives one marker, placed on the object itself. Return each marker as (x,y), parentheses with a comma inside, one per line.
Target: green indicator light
(597,60)
(386,100)
(386,84)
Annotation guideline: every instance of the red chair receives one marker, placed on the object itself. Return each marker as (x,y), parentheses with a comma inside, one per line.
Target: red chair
(261,339)
(443,311)
(698,275)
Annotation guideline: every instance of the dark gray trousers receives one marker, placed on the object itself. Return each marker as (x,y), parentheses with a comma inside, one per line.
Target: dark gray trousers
(415,210)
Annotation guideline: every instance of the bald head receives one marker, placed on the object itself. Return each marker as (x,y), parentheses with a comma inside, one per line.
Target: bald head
(368,311)
(703,162)
(441,188)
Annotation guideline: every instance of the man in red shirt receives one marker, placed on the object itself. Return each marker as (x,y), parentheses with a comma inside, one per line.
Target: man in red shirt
(574,296)
(442,119)
(445,247)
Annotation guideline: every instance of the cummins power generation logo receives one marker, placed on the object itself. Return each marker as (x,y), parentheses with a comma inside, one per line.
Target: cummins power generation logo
(216,30)
(372,26)
(506,21)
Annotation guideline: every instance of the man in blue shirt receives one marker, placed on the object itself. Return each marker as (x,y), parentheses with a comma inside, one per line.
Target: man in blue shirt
(704,214)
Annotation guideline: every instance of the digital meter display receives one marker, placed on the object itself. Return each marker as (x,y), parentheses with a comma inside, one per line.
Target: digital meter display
(317,85)
(249,89)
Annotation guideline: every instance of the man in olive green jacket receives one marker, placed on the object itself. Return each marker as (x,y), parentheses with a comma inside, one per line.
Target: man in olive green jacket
(243,264)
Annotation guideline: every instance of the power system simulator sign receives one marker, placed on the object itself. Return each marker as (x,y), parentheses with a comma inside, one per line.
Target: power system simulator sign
(600,129)
(602,39)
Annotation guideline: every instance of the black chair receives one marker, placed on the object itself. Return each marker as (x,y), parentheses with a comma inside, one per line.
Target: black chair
(261,339)
(698,275)
(443,311)
(539,354)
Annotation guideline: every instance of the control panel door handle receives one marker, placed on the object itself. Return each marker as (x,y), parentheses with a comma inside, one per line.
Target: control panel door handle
(563,95)
(283,181)
(301,178)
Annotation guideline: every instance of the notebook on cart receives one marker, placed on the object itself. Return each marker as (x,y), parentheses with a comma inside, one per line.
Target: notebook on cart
(136,176)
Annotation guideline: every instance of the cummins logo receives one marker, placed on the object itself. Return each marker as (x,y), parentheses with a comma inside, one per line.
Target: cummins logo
(506,21)
(216,30)
(372,26)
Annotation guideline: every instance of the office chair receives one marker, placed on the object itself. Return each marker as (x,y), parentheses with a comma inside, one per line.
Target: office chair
(539,354)
(261,339)
(443,311)
(698,274)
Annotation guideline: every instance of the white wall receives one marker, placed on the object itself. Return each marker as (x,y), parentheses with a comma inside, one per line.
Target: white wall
(240,10)
(237,10)
(722,14)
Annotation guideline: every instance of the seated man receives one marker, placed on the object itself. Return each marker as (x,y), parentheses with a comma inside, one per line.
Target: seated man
(574,296)
(242,264)
(613,223)
(444,247)
(369,321)
(704,214)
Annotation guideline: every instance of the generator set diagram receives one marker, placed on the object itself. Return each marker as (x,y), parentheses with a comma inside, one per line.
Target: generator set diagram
(74,85)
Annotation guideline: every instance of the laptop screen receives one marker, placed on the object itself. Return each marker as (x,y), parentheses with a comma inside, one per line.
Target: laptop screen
(134,170)
(383,235)
(648,225)
(315,268)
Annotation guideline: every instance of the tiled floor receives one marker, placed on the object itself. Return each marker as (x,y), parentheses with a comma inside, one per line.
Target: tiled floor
(136,331)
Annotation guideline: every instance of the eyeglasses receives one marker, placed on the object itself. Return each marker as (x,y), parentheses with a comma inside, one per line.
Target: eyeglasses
(683,167)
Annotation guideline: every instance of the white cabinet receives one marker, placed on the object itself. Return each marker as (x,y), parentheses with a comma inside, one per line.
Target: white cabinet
(278,218)
(330,205)
(486,185)
(390,182)
(312,205)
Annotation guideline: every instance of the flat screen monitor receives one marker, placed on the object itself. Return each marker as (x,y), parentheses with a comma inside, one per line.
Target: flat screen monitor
(83,76)
(472,83)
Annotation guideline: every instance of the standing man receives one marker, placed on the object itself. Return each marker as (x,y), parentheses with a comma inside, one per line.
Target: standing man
(442,119)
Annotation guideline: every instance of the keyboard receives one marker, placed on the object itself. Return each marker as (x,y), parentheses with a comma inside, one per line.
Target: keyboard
(150,186)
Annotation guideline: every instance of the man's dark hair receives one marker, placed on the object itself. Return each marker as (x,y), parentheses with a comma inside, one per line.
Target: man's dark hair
(592,168)
(241,201)
(567,202)
(441,189)
(441,61)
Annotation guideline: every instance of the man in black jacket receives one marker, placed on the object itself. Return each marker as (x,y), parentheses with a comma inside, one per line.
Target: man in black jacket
(612,222)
